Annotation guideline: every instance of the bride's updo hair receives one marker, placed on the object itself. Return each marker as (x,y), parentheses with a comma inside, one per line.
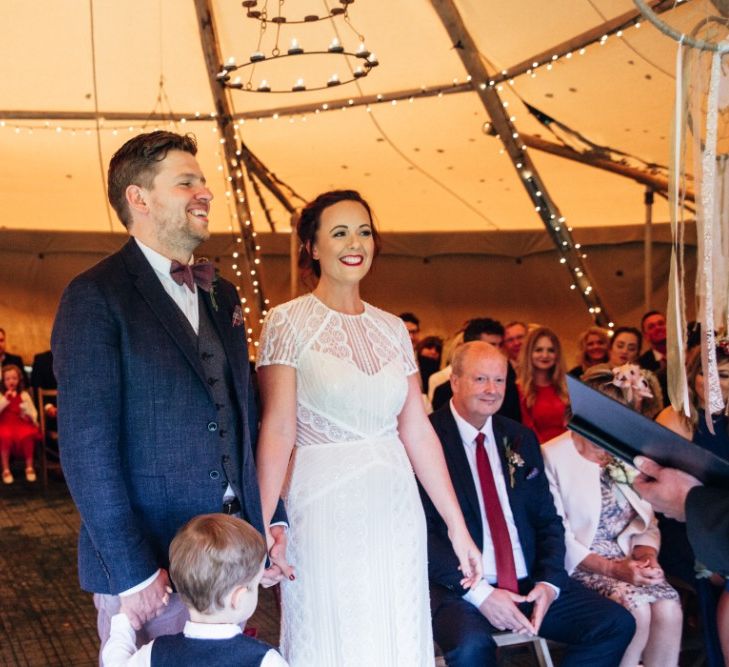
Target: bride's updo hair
(308,226)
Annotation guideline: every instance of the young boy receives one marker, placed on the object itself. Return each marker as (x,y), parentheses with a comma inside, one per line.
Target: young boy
(216,563)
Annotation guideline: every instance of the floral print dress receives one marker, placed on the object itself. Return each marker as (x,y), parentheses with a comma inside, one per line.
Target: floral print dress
(615,515)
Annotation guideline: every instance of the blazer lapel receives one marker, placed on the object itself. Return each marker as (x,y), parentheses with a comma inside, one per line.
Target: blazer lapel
(500,438)
(162,305)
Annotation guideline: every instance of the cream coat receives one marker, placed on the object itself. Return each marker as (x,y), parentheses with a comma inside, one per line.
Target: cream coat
(575,485)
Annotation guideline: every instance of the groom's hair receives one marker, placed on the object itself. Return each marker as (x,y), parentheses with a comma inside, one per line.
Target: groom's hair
(210,555)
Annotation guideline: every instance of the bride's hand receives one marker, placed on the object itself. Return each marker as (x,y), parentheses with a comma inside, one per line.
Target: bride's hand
(279,567)
(469,557)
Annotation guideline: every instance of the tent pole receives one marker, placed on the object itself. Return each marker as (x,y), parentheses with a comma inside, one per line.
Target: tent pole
(569,252)
(224,118)
(648,250)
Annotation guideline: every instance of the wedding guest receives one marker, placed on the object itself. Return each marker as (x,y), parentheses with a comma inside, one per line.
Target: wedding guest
(625,346)
(489,331)
(497,469)
(428,353)
(677,556)
(342,412)
(593,344)
(18,423)
(542,389)
(216,563)
(8,359)
(653,325)
(412,324)
(514,334)
(612,537)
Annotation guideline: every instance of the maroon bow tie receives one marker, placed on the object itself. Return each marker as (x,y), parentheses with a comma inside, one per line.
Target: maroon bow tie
(200,274)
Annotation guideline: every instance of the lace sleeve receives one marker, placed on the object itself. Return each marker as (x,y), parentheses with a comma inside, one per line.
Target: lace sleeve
(278,341)
(406,348)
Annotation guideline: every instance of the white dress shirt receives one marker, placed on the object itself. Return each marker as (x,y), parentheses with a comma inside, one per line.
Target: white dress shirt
(468,437)
(184,297)
(121,649)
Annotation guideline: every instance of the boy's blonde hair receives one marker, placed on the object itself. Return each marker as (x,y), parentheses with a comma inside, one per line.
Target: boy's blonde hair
(210,555)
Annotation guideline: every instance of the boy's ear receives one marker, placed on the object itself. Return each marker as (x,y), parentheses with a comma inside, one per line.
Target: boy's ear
(237,596)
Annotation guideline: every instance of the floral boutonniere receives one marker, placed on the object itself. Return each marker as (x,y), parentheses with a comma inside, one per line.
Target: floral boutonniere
(213,302)
(513,459)
(620,472)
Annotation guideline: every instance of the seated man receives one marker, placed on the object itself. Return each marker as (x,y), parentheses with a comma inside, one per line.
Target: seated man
(498,474)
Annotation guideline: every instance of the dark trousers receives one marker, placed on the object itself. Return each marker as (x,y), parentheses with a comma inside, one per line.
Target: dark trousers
(596,630)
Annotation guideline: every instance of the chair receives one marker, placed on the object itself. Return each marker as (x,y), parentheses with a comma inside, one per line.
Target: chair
(502,639)
(49,437)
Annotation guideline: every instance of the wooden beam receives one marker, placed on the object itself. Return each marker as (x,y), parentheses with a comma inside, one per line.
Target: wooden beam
(652,180)
(555,224)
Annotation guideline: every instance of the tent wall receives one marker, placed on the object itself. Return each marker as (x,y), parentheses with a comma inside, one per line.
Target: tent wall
(444,278)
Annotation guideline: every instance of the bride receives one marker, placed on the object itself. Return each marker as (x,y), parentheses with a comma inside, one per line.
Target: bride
(340,390)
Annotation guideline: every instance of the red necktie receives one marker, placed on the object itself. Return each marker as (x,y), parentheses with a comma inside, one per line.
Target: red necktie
(200,273)
(505,568)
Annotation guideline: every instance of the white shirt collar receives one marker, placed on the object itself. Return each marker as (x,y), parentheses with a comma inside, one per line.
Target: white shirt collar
(469,432)
(159,263)
(211,630)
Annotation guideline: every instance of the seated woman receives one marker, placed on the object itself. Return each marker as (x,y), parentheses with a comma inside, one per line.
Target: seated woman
(624,346)
(611,535)
(678,556)
(18,423)
(542,391)
(593,343)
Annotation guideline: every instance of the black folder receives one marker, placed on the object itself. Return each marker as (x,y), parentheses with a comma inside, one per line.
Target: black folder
(627,434)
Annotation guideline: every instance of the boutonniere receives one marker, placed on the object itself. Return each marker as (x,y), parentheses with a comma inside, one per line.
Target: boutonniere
(620,472)
(513,460)
(238,320)
(213,302)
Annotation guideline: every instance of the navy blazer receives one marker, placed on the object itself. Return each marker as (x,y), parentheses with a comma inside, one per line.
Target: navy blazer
(540,528)
(138,444)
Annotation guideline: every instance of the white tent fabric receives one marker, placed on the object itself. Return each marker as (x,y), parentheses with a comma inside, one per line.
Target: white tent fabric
(426,165)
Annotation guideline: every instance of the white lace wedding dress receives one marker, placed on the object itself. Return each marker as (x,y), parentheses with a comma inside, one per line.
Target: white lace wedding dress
(357,530)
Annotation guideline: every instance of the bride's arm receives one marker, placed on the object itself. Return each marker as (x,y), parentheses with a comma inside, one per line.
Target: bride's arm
(426,456)
(277,384)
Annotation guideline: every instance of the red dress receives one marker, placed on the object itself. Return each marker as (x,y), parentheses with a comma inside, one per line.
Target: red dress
(546,417)
(15,426)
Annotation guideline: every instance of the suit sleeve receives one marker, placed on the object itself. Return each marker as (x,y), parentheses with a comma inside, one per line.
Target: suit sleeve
(88,365)
(707,525)
(442,561)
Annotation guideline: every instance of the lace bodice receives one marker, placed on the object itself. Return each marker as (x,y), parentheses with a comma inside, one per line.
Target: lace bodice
(351,370)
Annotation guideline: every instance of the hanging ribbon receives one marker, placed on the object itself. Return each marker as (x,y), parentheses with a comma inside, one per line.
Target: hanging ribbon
(676,311)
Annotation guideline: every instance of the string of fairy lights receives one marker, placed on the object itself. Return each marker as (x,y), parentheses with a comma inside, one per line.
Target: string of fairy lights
(303,114)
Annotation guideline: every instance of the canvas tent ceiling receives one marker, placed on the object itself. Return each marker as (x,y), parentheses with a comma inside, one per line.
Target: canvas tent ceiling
(425,165)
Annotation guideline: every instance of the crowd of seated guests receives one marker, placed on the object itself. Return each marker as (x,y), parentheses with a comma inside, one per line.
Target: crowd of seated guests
(613,538)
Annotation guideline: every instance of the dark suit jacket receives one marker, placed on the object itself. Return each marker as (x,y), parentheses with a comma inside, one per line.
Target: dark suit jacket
(42,374)
(509,408)
(648,361)
(138,444)
(707,525)
(540,528)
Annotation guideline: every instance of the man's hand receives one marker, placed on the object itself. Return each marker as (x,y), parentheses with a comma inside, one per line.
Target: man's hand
(501,611)
(542,595)
(664,488)
(148,603)
(279,568)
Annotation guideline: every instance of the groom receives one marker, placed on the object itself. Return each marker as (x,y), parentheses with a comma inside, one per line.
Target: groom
(155,409)
(498,474)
